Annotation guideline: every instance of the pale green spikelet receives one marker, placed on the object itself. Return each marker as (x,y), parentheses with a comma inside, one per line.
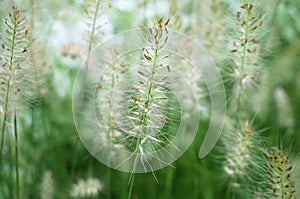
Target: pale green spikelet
(47,186)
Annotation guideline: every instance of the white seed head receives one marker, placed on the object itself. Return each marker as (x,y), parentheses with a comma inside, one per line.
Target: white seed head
(47,188)
(86,188)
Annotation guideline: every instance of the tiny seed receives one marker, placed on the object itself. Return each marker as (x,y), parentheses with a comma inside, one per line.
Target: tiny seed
(292,184)
(280,169)
(290,168)
(254,28)
(138,99)
(150,30)
(270,173)
(141,73)
(147,57)
(167,22)
(166,39)
(245,5)
(160,20)
(281,155)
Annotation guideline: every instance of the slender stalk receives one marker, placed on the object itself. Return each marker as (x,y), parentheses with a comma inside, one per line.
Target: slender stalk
(17,153)
(110,133)
(144,115)
(4,122)
(245,36)
(92,36)
(131,186)
(109,183)
(11,176)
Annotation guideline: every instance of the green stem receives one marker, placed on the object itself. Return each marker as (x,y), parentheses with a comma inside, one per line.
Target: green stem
(111,127)
(244,57)
(109,183)
(131,186)
(11,176)
(144,115)
(4,121)
(17,153)
(246,39)
(92,36)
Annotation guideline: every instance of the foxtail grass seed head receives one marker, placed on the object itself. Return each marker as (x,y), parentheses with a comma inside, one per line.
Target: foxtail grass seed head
(94,10)
(239,145)
(13,51)
(36,74)
(281,180)
(245,38)
(284,109)
(74,50)
(143,99)
(86,188)
(47,186)
(142,125)
(14,48)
